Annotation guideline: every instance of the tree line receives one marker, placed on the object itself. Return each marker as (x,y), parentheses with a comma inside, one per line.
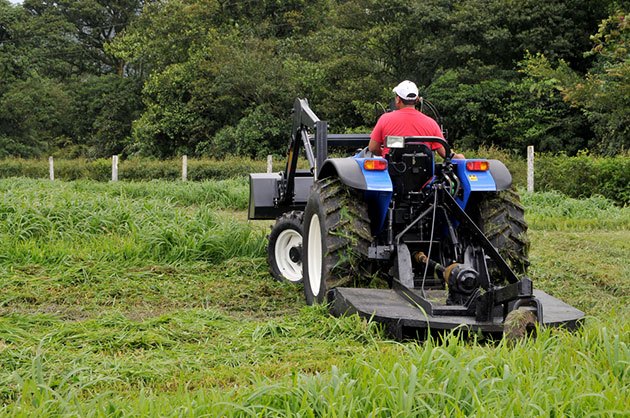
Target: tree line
(160,78)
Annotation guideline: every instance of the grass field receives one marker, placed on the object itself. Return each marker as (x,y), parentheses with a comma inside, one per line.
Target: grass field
(153,298)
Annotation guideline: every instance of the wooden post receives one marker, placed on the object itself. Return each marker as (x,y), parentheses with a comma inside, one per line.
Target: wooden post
(51,168)
(184,168)
(115,168)
(530,169)
(269,163)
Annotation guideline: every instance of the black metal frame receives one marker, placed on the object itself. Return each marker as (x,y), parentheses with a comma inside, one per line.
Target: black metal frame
(305,120)
(483,301)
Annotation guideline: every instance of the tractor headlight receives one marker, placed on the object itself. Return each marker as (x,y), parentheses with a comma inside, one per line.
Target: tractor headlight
(395,141)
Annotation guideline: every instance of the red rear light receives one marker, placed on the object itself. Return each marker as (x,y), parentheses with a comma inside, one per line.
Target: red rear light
(375,165)
(477,165)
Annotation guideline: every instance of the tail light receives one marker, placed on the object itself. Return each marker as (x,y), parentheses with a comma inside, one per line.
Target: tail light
(375,165)
(477,165)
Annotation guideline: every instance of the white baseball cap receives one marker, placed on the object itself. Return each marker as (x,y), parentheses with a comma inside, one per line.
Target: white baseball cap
(407,90)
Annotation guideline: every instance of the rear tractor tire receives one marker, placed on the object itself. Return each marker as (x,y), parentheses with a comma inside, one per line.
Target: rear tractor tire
(502,219)
(284,251)
(336,240)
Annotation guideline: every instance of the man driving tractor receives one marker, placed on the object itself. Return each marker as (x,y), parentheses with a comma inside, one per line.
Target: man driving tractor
(406,121)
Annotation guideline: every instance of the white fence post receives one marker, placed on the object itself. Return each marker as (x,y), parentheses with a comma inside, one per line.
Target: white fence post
(51,168)
(115,168)
(184,168)
(269,163)
(530,169)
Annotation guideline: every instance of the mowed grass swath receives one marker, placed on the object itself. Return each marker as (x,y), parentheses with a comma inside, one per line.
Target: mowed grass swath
(154,298)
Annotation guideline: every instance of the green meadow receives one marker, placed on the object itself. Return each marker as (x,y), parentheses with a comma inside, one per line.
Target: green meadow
(154,299)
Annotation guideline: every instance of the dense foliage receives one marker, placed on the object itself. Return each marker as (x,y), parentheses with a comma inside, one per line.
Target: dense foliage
(216,77)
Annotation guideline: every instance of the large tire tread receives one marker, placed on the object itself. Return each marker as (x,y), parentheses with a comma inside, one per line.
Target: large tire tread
(501,218)
(346,234)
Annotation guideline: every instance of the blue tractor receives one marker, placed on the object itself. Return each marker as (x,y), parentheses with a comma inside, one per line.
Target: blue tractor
(449,239)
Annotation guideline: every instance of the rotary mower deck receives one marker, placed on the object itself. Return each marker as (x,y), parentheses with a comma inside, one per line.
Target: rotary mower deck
(402,318)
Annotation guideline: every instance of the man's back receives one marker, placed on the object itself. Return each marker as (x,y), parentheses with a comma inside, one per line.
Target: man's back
(406,122)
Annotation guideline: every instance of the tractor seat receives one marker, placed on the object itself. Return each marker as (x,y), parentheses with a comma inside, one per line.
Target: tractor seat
(411,167)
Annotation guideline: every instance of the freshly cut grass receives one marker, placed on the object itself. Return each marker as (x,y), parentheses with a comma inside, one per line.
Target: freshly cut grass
(590,269)
(154,299)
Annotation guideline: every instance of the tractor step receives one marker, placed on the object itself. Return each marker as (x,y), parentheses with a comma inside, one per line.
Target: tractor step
(404,320)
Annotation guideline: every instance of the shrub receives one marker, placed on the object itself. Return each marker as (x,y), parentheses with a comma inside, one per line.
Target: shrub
(585,175)
(516,165)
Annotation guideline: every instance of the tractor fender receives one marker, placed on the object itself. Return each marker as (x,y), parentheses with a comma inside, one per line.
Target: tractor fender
(376,186)
(346,169)
(351,173)
(496,179)
(500,174)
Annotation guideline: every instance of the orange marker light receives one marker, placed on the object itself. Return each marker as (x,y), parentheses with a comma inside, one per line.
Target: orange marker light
(477,165)
(375,165)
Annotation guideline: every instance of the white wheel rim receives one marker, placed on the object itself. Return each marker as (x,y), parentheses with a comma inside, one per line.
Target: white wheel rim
(288,239)
(314,255)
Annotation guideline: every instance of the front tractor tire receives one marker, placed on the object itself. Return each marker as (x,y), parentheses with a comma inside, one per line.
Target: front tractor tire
(501,217)
(284,251)
(336,239)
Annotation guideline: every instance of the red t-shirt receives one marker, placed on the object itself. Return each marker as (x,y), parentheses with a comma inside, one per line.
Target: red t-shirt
(406,122)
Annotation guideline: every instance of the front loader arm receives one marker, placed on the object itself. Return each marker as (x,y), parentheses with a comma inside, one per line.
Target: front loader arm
(303,120)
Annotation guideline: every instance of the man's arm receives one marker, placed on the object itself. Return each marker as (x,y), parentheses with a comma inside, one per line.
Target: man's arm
(375,148)
(377,138)
(442,153)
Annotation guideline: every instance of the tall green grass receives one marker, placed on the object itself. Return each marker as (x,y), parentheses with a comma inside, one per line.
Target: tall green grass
(154,299)
(578,176)
(556,374)
(125,221)
(553,210)
(138,169)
